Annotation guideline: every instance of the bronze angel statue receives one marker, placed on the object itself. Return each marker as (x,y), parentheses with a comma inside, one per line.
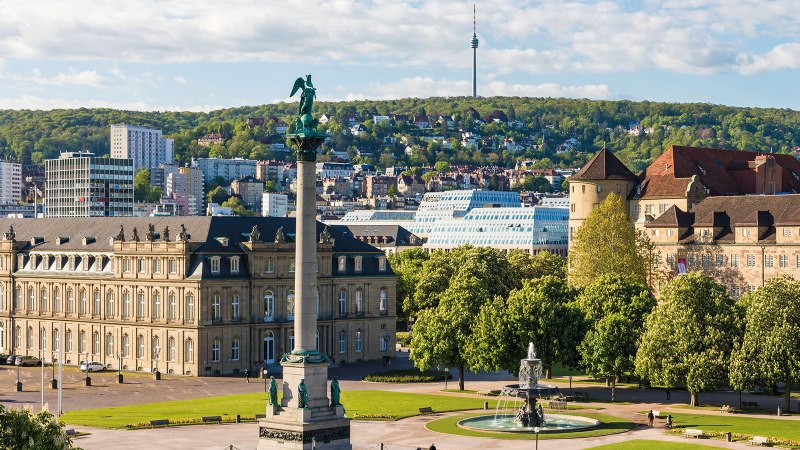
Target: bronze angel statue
(304,120)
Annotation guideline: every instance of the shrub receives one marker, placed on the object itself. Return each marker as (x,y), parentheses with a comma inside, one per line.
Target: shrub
(407,376)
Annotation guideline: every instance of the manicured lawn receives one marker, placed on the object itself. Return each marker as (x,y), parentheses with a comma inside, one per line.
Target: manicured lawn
(611,425)
(641,444)
(371,404)
(786,429)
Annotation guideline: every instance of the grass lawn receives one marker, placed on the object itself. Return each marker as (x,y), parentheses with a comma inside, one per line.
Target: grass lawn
(611,425)
(369,404)
(640,444)
(785,429)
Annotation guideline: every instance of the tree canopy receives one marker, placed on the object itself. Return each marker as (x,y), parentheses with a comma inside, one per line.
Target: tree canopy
(606,243)
(689,337)
(22,429)
(143,191)
(407,265)
(769,352)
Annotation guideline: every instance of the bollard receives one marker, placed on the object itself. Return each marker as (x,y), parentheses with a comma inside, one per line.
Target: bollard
(88,381)
(19,386)
(485,405)
(728,436)
(119,378)
(157,375)
(53,384)
(779,411)
(238,418)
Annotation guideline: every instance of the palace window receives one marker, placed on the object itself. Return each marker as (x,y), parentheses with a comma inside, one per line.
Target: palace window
(215,264)
(342,341)
(290,304)
(31,299)
(215,350)
(173,265)
(43,300)
(269,265)
(216,308)
(126,264)
(189,350)
(171,349)
(140,347)
(156,265)
(269,305)
(787,232)
(97,303)
(783,261)
(110,344)
(720,260)
(359,341)
(109,304)
(382,263)
(95,343)
(235,307)
(82,342)
(746,232)
(173,306)
(706,260)
(84,302)
(68,338)
(769,261)
(291,265)
(155,348)
(141,265)
(359,301)
(235,349)
(126,304)
(126,345)
(342,302)
(234,264)
(342,267)
(751,260)
(156,305)
(670,232)
(383,300)
(384,343)
(189,307)
(358,260)
(140,305)
(56,300)
(734,260)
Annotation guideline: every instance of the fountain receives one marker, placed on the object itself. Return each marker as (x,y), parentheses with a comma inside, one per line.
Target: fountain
(528,417)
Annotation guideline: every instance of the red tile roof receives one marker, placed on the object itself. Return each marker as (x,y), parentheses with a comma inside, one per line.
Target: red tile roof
(604,166)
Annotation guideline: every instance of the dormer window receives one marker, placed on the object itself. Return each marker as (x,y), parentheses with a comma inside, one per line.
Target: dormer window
(358,263)
(746,232)
(98,263)
(342,264)
(72,262)
(234,264)
(382,263)
(787,232)
(215,264)
(58,262)
(223,240)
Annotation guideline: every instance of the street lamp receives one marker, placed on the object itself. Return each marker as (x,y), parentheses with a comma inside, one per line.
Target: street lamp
(88,380)
(19,383)
(264,376)
(536,430)
(157,375)
(570,385)
(119,368)
(53,381)
(446,376)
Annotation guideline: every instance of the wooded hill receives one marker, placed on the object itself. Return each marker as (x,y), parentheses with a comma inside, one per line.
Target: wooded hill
(32,136)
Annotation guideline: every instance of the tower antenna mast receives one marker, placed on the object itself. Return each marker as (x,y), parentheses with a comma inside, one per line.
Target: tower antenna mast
(474,45)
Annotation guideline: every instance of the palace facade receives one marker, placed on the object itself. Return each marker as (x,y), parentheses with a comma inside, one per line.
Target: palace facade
(185,295)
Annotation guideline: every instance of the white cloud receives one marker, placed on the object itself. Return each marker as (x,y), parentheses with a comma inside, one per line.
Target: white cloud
(784,56)
(179,80)
(546,36)
(85,78)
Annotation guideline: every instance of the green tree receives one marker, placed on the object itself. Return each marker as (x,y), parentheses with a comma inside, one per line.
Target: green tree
(22,429)
(270,186)
(770,349)
(607,349)
(441,334)
(688,338)
(528,267)
(237,207)
(392,191)
(407,265)
(217,195)
(441,166)
(606,244)
(143,191)
(612,294)
(538,312)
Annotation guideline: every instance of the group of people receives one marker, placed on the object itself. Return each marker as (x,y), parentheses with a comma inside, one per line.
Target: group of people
(651,417)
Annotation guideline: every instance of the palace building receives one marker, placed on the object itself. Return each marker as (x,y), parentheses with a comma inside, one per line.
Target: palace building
(185,295)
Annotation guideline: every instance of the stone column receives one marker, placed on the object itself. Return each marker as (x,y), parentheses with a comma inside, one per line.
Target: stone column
(305,276)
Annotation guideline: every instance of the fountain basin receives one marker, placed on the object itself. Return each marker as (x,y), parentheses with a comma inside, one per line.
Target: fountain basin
(505,423)
(533,391)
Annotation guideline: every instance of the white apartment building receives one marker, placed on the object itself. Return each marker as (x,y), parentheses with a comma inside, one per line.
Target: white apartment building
(229,169)
(187,187)
(79,184)
(333,170)
(144,146)
(274,205)
(10,183)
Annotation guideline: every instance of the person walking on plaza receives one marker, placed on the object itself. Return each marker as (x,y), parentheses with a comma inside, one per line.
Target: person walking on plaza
(669,393)
(650,418)
(432,447)
(247,375)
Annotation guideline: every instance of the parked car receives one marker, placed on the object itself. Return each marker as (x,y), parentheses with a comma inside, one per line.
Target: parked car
(92,366)
(27,361)
(10,359)
(3,358)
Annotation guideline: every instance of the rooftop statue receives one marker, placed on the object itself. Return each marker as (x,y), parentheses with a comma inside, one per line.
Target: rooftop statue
(305,122)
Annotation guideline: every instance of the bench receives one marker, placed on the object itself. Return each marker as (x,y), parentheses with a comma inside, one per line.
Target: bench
(212,419)
(426,410)
(759,440)
(656,414)
(159,423)
(692,432)
(726,409)
(557,405)
(261,416)
(749,405)
(70,431)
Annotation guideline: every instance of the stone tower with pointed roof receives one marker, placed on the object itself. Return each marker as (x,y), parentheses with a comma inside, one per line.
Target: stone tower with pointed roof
(602,175)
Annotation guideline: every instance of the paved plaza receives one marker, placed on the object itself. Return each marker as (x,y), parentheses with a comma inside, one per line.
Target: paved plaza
(401,435)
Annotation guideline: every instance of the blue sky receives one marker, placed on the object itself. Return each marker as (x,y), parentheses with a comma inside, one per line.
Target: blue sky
(203,55)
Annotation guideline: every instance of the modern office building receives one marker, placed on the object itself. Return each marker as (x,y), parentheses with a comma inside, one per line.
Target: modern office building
(533,229)
(145,146)
(185,295)
(10,183)
(79,184)
(274,205)
(228,169)
(437,206)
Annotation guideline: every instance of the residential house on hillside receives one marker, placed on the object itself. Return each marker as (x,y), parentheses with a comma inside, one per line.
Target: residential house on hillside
(211,138)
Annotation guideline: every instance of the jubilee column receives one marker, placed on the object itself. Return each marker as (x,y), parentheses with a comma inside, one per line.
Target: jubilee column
(305,418)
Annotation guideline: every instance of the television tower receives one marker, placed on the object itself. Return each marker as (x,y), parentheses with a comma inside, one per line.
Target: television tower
(474,45)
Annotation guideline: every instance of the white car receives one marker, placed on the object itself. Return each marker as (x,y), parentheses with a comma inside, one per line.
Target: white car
(92,367)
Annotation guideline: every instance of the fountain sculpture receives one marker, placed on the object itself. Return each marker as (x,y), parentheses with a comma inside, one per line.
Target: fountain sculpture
(529,389)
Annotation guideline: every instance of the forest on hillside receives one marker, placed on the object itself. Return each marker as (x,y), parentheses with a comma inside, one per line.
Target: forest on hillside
(542,125)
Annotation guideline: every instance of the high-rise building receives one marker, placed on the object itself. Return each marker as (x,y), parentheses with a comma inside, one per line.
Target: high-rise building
(79,184)
(144,146)
(474,44)
(10,183)
(274,205)
(188,188)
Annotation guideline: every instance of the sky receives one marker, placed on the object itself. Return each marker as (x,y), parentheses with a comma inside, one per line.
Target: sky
(201,55)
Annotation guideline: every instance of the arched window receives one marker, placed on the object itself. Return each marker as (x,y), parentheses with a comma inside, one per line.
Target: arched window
(126,345)
(126,304)
(43,339)
(18,337)
(140,305)
(189,350)
(216,308)
(56,340)
(110,345)
(269,305)
(30,338)
(189,307)
(384,300)
(173,306)
(68,339)
(342,341)
(235,349)
(235,307)
(70,301)
(359,341)
(95,343)
(18,298)
(269,347)
(171,349)
(342,302)
(384,343)
(31,299)
(82,348)
(215,350)
(291,340)
(156,305)
(290,304)
(155,348)
(56,300)
(140,346)
(109,304)
(97,303)
(359,301)
(84,302)
(43,300)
